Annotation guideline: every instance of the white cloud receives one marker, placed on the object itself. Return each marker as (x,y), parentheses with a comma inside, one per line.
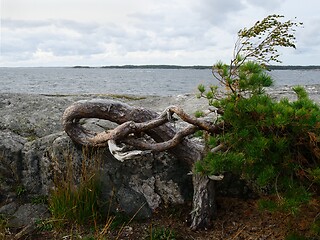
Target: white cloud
(102,32)
(269,5)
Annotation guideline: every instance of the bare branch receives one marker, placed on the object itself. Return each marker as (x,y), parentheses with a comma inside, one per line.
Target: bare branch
(134,122)
(120,154)
(121,133)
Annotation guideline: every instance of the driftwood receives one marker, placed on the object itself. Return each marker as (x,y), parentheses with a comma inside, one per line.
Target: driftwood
(133,123)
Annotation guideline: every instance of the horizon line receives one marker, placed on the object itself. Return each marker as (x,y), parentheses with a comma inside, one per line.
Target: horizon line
(163,66)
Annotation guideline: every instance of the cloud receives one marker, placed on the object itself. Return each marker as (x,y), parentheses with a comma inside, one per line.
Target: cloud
(65,37)
(217,12)
(148,31)
(306,36)
(268,5)
(61,37)
(308,42)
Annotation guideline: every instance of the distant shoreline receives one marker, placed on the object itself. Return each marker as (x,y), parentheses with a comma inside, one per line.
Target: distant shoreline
(271,67)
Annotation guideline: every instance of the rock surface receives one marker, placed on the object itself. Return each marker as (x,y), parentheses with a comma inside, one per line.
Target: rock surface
(35,154)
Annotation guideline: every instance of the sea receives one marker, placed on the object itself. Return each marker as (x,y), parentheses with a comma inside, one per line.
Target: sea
(159,82)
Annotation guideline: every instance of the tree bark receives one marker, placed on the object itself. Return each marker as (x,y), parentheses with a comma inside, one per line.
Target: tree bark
(135,121)
(204,205)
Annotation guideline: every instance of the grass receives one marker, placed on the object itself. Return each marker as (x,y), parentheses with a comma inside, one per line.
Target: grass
(75,199)
(162,233)
(76,202)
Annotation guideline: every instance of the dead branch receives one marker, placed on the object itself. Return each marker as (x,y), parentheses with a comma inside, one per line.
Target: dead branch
(134,122)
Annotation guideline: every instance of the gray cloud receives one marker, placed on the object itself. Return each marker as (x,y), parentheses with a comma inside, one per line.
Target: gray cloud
(217,12)
(146,30)
(61,37)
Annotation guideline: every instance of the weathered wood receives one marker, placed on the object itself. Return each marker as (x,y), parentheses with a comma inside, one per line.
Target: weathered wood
(120,113)
(204,206)
(135,121)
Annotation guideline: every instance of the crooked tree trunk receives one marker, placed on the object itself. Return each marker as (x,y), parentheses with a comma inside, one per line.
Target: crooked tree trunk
(204,205)
(134,121)
(122,113)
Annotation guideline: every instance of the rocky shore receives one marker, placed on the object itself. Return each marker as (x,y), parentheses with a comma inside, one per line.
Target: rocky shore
(33,148)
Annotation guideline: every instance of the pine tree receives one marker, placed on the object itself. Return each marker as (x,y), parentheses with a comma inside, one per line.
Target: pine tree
(275,145)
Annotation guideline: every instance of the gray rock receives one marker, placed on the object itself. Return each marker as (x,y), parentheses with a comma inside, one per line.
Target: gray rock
(37,164)
(9,209)
(30,115)
(11,146)
(136,180)
(35,116)
(133,203)
(39,155)
(27,214)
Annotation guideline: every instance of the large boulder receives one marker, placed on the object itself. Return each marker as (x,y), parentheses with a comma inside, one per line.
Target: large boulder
(36,155)
(144,183)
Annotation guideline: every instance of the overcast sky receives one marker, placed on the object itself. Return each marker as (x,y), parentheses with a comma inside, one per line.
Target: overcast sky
(118,32)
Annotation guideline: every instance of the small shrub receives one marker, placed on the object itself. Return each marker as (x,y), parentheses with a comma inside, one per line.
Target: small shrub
(199,113)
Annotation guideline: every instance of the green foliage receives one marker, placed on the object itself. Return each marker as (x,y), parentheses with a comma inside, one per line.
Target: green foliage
(267,204)
(44,225)
(199,114)
(275,145)
(314,174)
(295,236)
(162,233)
(260,42)
(255,47)
(20,190)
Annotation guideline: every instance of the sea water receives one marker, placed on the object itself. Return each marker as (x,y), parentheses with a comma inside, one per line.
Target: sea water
(161,82)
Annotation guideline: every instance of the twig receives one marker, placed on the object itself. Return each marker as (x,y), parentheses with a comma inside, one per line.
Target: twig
(238,233)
